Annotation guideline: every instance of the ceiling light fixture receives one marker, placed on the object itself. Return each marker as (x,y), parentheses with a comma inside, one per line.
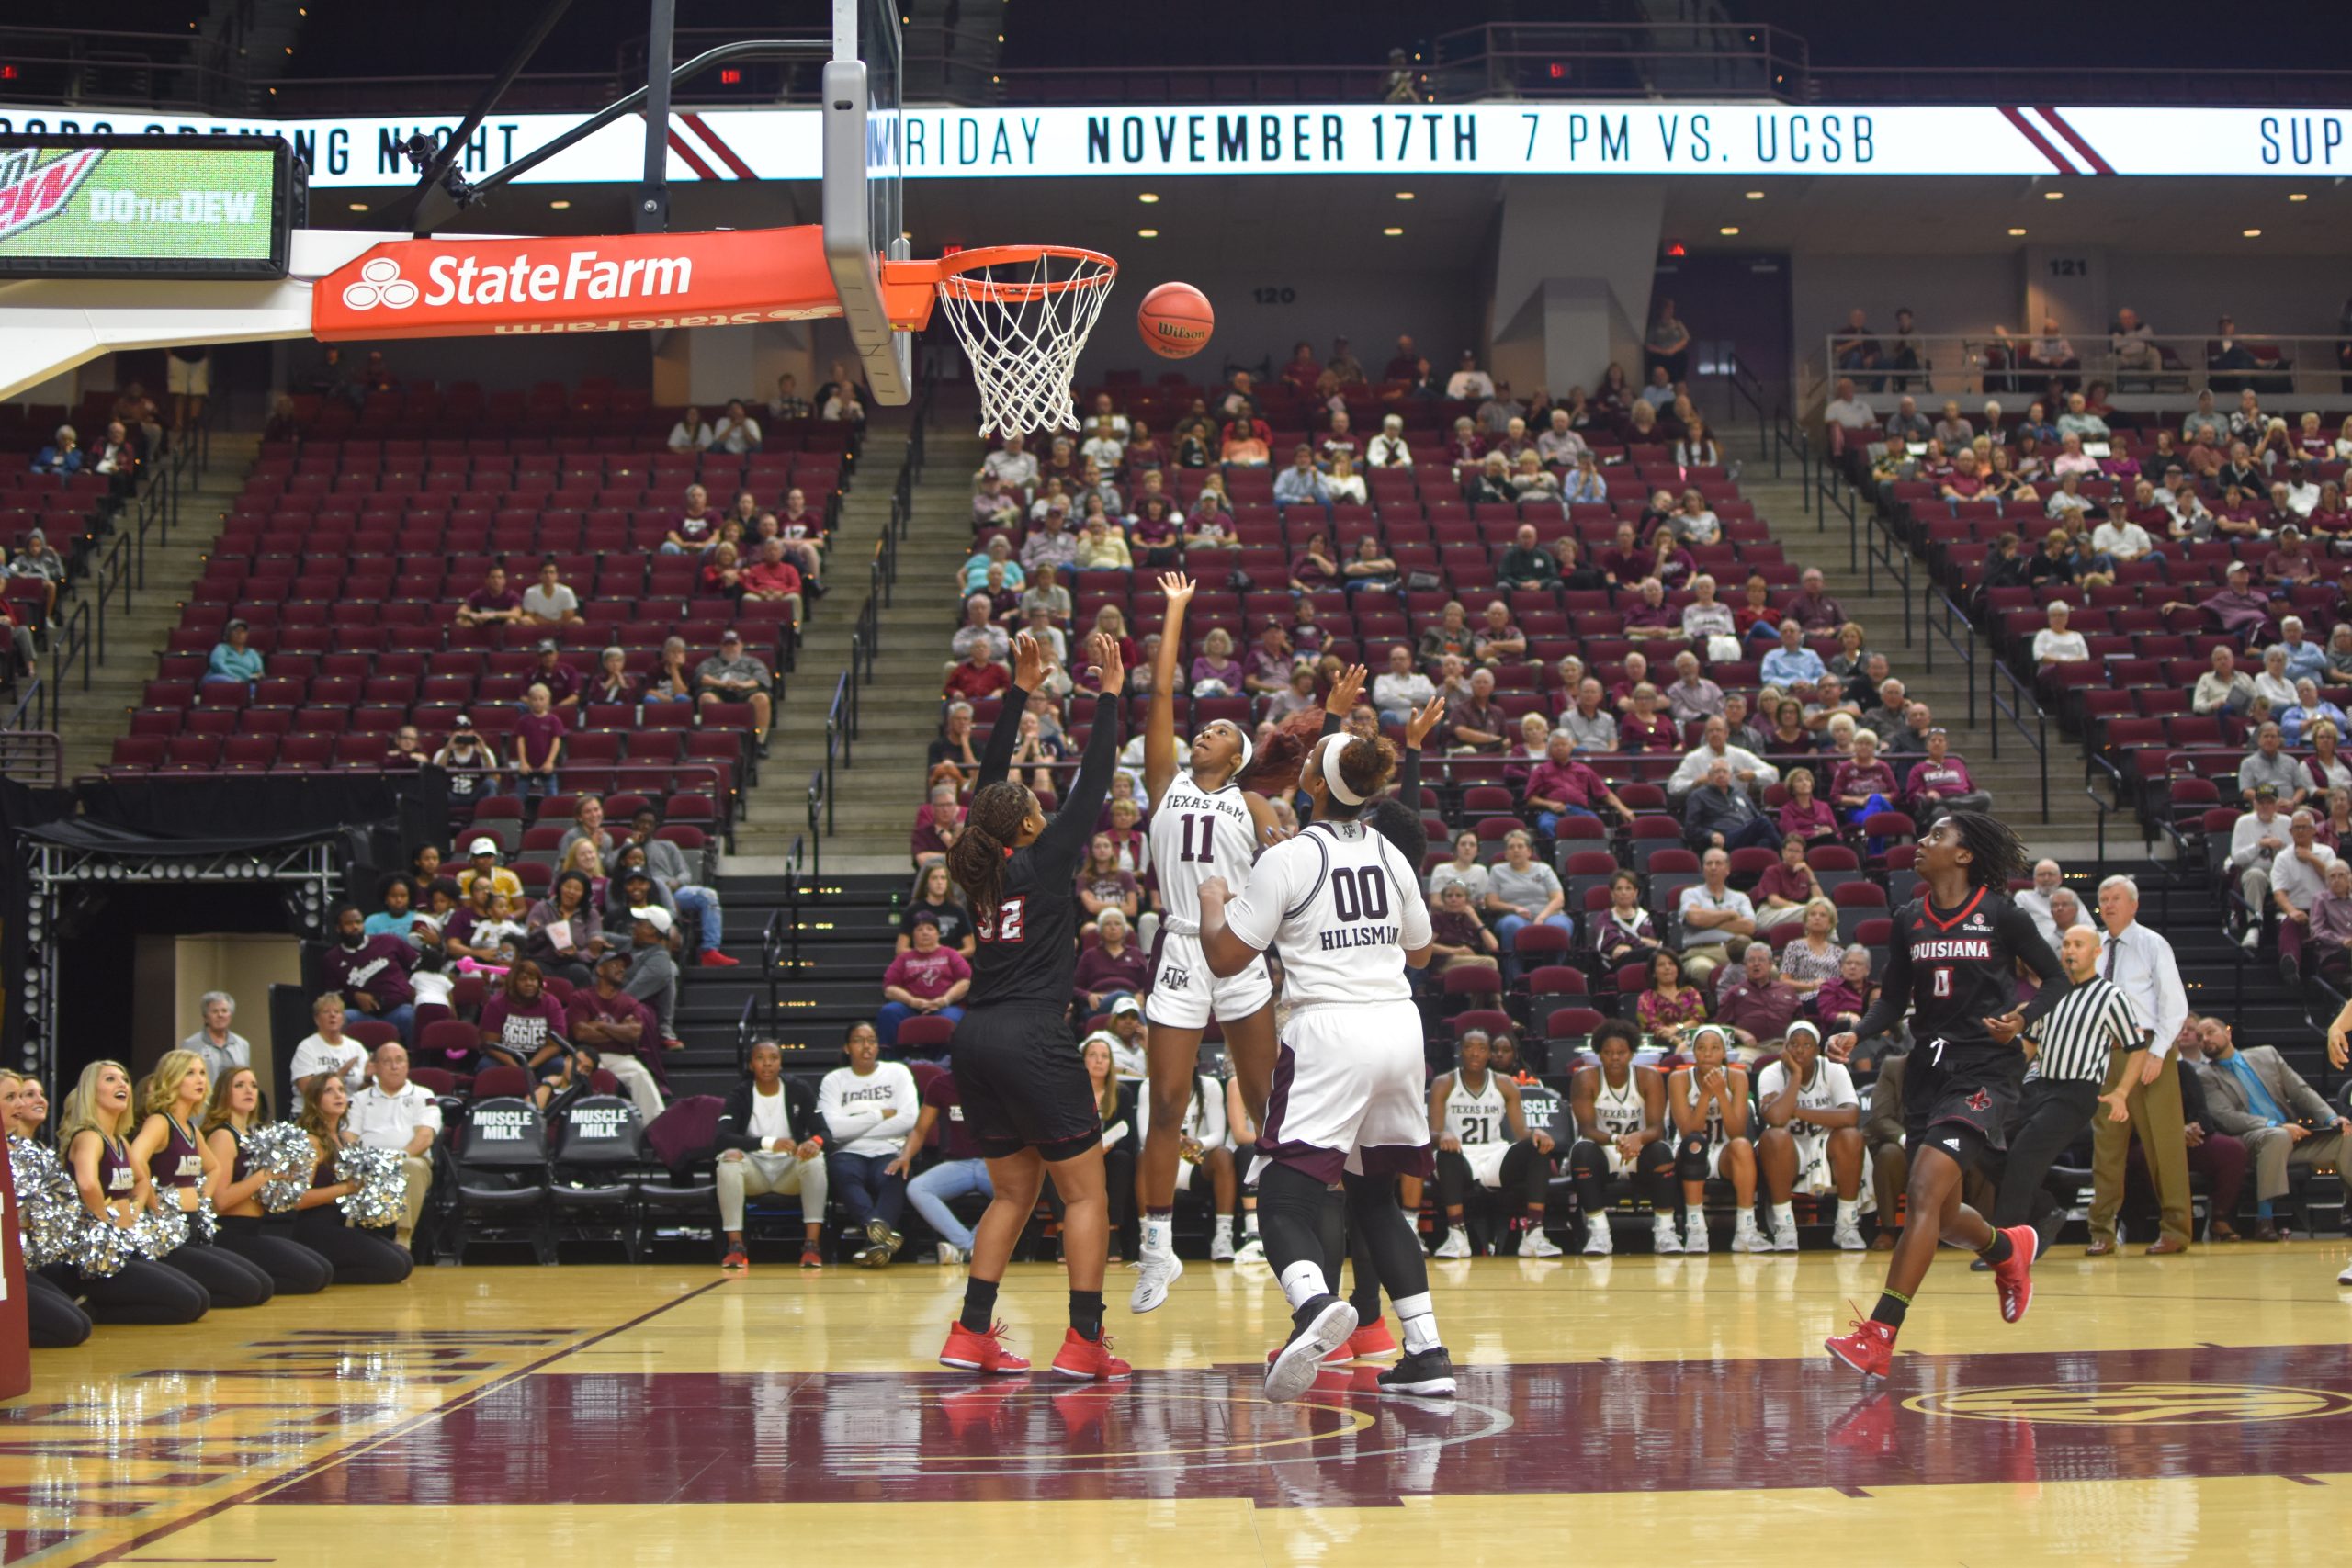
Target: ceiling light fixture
(1728,230)
(1147,197)
(2053,196)
(1756,196)
(358,207)
(1147,233)
(2297,196)
(1392,231)
(2251,233)
(2017,233)
(559,206)
(1404,195)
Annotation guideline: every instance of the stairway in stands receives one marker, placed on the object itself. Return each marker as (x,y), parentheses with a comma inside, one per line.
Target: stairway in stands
(90,722)
(847,928)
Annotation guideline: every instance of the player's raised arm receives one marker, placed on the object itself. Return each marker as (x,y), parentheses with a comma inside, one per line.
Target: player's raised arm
(1159,722)
(1028,669)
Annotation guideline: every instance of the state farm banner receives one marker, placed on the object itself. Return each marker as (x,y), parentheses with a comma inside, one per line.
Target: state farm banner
(463,287)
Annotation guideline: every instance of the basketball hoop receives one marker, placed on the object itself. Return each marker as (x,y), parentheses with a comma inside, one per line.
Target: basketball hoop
(1021,313)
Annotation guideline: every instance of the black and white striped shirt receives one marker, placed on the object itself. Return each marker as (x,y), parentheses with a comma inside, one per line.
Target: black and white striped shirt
(2092,1018)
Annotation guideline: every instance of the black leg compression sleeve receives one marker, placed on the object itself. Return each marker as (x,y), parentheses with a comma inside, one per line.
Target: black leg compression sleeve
(1589,1164)
(1395,1253)
(1299,1218)
(1690,1158)
(1655,1182)
(1453,1178)
(1363,1294)
(1527,1175)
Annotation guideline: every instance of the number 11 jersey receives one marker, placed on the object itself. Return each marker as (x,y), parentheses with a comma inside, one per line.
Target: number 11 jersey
(1196,834)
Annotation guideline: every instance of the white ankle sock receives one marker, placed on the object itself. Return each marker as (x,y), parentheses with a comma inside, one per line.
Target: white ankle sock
(1225,1226)
(1248,1222)
(1156,1236)
(1417,1318)
(1850,1209)
(1784,1216)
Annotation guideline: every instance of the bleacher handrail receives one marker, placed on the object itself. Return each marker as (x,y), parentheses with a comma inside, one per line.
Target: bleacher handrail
(1951,365)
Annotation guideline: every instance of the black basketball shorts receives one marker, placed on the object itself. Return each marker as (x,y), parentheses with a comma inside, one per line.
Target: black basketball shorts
(1962,1105)
(1022,1083)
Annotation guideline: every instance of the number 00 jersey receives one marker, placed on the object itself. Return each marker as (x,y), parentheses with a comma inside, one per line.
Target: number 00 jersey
(1196,834)
(1345,908)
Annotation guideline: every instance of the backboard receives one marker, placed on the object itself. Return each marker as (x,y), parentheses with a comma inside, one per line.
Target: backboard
(863,216)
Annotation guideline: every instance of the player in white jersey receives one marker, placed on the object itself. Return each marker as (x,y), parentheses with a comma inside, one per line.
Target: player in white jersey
(1708,1100)
(1204,823)
(1813,1138)
(1483,1137)
(1620,1111)
(1346,1110)
(1204,1157)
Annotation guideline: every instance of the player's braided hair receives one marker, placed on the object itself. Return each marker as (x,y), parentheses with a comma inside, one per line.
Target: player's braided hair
(1996,855)
(976,859)
(1275,766)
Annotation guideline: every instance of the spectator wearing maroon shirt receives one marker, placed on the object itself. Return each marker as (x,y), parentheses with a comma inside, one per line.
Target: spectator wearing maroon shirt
(1625,562)
(1862,783)
(538,743)
(1316,569)
(925,980)
(523,1026)
(1651,617)
(695,528)
(979,677)
(1759,1003)
(1646,728)
(1941,784)
(1103,884)
(1561,786)
(1787,884)
(1405,365)
(370,972)
(622,1030)
(1456,932)
(1112,968)
(561,680)
(1811,607)
(491,603)
(1473,723)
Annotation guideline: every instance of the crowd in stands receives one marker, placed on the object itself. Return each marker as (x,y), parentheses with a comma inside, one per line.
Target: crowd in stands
(2169,581)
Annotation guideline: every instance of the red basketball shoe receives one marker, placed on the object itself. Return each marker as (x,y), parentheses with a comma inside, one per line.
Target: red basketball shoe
(1371,1339)
(972,1352)
(2015,1277)
(1089,1360)
(1869,1348)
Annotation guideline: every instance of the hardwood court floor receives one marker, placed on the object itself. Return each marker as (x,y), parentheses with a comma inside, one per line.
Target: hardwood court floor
(2148,1411)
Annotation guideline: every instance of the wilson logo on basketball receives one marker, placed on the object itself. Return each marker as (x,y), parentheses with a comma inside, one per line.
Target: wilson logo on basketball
(609,283)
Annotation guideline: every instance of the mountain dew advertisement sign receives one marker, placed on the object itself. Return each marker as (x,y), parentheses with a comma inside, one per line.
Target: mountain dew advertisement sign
(138,207)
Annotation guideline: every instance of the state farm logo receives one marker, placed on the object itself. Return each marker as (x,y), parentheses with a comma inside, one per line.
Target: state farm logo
(381,283)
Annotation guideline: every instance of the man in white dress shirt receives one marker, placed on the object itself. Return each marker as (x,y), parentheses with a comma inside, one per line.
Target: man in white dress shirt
(2140,964)
(1750,775)
(2035,900)
(393,1113)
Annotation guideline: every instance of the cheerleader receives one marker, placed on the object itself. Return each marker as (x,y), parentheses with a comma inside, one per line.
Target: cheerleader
(359,1258)
(114,1189)
(181,1172)
(56,1322)
(294,1269)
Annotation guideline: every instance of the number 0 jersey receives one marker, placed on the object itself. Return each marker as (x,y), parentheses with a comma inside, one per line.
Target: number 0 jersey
(1345,908)
(1955,970)
(1196,834)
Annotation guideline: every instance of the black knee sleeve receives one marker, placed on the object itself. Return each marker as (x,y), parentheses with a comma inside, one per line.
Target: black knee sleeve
(1299,1218)
(1385,1238)
(1654,1174)
(1453,1178)
(1690,1159)
(1527,1174)
(1589,1166)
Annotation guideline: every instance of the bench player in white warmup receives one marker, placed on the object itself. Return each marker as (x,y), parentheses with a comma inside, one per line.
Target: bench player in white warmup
(1346,1108)
(1483,1138)
(1204,823)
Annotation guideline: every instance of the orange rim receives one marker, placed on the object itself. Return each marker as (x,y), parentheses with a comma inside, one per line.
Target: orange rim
(910,288)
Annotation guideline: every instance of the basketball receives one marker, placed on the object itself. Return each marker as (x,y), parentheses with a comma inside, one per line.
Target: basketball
(1176,320)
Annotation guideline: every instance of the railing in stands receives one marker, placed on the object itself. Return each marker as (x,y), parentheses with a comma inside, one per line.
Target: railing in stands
(121,566)
(114,575)
(1829,488)
(1883,550)
(2160,371)
(73,640)
(2011,700)
(780,940)
(31,755)
(1777,436)
(841,733)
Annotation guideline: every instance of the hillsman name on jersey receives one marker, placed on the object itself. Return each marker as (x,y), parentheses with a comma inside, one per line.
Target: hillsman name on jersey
(1334,939)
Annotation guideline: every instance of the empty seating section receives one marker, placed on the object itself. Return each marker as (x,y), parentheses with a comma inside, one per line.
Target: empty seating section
(347,556)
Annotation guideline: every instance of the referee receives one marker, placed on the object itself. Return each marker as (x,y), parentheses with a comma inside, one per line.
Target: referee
(2061,1089)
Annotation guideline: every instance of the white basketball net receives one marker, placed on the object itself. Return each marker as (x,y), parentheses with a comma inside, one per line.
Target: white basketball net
(1022,324)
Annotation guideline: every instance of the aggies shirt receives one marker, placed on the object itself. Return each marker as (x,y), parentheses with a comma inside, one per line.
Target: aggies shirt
(1953,969)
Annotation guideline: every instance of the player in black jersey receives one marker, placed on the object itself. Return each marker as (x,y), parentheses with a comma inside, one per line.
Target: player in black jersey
(1953,966)
(1027,1101)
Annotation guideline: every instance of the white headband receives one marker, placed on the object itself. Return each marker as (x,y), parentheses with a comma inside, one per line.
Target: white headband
(1242,768)
(1331,775)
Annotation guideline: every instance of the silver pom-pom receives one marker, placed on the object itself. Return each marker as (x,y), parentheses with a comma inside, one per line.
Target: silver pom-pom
(283,1150)
(159,1232)
(381,1194)
(101,1247)
(46,1203)
(205,1221)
